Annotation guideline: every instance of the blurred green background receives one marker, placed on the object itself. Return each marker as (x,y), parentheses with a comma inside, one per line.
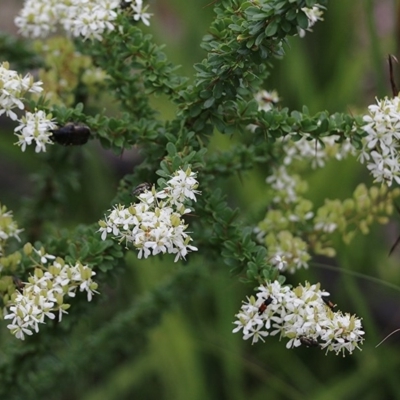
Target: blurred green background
(191,353)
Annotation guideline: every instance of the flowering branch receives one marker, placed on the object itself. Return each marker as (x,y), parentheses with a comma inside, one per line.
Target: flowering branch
(111,51)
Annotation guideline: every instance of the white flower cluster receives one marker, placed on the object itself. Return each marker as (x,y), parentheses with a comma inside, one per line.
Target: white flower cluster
(8,228)
(275,230)
(286,187)
(300,315)
(35,127)
(381,144)
(313,14)
(13,88)
(155,224)
(266,100)
(292,250)
(279,230)
(89,19)
(305,149)
(43,295)
(317,153)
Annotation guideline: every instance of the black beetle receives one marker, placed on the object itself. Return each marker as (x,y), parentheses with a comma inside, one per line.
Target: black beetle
(72,134)
(308,342)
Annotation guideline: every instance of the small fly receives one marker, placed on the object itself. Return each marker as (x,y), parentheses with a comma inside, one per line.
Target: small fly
(142,188)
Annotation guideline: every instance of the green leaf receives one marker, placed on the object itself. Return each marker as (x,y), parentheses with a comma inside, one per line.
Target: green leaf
(84,251)
(209,102)
(162,173)
(72,251)
(235,28)
(302,20)
(271,29)
(171,148)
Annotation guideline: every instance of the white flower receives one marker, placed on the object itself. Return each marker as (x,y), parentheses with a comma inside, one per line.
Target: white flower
(313,14)
(279,261)
(19,330)
(139,12)
(35,127)
(43,256)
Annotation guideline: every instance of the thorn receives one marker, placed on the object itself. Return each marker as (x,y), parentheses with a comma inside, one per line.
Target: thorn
(392,249)
(210,4)
(392,58)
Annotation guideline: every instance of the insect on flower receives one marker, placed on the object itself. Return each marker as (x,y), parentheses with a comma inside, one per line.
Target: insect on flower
(123,4)
(18,283)
(139,189)
(308,342)
(328,303)
(264,305)
(72,134)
